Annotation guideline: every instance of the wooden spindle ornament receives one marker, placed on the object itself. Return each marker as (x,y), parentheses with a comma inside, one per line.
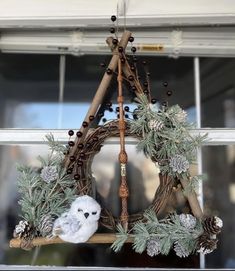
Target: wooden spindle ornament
(123,189)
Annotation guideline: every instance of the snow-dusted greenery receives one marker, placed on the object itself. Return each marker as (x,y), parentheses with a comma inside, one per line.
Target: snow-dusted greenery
(42,197)
(159,236)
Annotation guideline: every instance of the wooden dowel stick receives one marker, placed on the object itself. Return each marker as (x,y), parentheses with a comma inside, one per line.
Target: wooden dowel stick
(193,201)
(127,71)
(98,238)
(99,96)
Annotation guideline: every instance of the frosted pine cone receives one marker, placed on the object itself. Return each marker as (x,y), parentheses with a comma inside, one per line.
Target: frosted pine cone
(22,229)
(49,174)
(180,251)
(153,247)
(181,116)
(155,125)
(212,225)
(179,163)
(46,225)
(188,221)
(206,244)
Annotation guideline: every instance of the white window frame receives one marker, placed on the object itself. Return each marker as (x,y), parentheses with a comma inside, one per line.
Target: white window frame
(47,15)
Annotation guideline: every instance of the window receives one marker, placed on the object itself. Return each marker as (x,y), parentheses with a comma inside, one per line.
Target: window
(29,99)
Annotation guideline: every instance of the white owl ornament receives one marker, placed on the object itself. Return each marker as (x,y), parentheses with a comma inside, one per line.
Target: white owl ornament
(80,222)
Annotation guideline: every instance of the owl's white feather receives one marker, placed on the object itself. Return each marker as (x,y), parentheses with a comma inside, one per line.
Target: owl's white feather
(80,222)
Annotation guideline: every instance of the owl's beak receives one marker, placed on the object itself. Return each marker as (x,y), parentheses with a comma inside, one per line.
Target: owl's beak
(86,215)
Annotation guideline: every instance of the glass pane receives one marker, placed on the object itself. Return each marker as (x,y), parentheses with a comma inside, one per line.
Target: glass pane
(29,88)
(142,178)
(219,194)
(10,210)
(217,92)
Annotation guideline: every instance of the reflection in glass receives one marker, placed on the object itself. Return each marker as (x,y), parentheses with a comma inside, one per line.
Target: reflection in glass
(218,92)
(219,194)
(142,177)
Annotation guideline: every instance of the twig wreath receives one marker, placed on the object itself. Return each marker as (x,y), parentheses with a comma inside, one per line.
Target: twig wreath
(163,135)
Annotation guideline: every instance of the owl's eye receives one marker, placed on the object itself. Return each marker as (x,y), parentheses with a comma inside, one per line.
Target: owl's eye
(94,213)
(79,210)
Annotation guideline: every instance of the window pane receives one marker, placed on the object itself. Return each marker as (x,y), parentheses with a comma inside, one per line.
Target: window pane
(219,194)
(29,88)
(218,92)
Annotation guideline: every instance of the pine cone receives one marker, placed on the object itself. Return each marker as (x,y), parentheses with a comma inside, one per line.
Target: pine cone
(181,116)
(205,244)
(212,225)
(49,174)
(155,125)
(188,221)
(46,225)
(179,163)
(180,251)
(153,247)
(22,230)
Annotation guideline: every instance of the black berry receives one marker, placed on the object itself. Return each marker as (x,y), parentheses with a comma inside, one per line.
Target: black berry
(169,93)
(113,18)
(126,108)
(70,132)
(79,163)
(133,49)
(122,60)
(109,71)
(72,158)
(112,30)
(120,49)
(71,143)
(153,101)
(82,155)
(131,77)
(76,177)
(84,124)
(80,145)
(115,41)
(79,134)
(133,88)
(69,171)
(108,104)
(133,68)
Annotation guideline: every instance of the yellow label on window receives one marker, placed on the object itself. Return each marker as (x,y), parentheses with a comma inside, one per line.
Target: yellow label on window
(151,47)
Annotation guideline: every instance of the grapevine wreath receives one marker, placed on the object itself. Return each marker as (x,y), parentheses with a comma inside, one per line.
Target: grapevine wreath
(163,134)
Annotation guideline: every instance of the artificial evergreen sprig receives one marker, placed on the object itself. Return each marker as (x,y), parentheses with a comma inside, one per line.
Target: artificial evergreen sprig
(45,191)
(166,137)
(160,236)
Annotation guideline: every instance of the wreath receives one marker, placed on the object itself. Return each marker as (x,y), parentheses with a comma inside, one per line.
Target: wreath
(163,135)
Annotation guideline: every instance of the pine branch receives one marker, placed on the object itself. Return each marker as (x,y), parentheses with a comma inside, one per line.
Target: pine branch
(41,197)
(122,236)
